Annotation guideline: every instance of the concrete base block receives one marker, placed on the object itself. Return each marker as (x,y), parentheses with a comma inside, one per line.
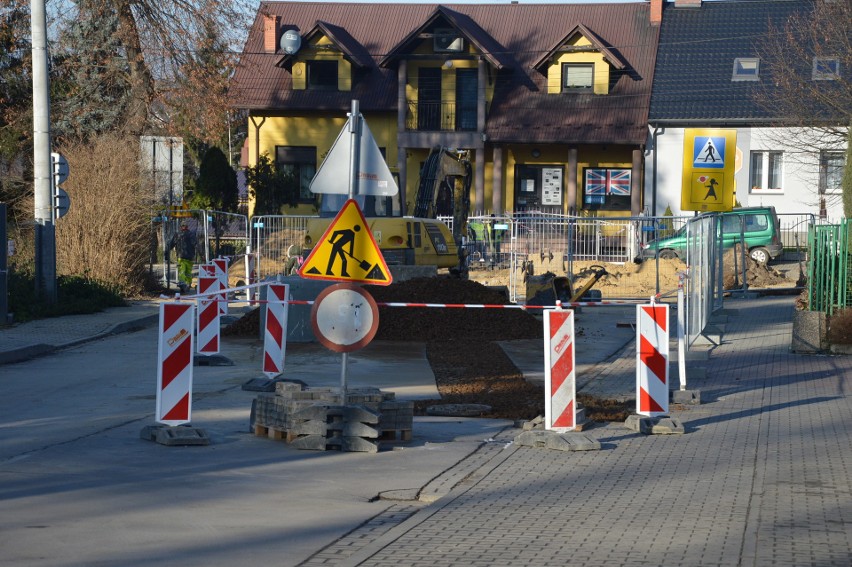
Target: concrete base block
(359,414)
(211,360)
(661,425)
(312,427)
(268,384)
(810,330)
(355,429)
(686,397)
(174,436)
(556,440)
(580,442)
(535,423)
(698,352)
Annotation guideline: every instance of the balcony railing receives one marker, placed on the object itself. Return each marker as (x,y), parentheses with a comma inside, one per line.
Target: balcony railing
(441,116)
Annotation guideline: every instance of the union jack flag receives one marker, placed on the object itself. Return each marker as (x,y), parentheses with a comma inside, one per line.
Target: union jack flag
(608,181)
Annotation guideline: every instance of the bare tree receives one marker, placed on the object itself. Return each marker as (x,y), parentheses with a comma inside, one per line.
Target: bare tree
(161,41)
(809,58)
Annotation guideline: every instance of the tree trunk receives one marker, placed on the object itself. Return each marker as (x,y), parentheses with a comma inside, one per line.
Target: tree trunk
(141,80)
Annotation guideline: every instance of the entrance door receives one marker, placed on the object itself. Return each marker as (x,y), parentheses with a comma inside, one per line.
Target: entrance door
(429,98)
(467,84)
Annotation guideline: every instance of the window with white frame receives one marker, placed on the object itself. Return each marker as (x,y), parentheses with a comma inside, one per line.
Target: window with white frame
(746,69)
(577,77)
(826,69)
(831,166)
(767,172)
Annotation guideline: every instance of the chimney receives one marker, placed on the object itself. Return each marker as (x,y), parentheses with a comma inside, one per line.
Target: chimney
(270,33)
(687,3)
(656,12)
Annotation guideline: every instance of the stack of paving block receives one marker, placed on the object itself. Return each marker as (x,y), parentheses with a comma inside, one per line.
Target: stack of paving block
(396,419)
(314,418)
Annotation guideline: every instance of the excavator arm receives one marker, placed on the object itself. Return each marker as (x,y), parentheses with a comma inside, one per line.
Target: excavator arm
(438,193)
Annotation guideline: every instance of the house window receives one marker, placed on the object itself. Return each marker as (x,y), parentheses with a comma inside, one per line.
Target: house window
(826,69)
(577,77)
(322,75)
(301,162)
(767,172)
(831,166)
(746,69)
(607,188)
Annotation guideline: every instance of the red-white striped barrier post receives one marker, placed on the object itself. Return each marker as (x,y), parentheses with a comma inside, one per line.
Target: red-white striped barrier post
(652,360)
(222,273)
(174,364)
(275,331)
(251,277)
(559,370)
(208,323)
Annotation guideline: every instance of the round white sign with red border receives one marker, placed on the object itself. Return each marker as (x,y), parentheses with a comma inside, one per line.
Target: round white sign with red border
(345,317)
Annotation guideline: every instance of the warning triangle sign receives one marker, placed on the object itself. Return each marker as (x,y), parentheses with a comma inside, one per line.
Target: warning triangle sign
(374,176)
(347,251)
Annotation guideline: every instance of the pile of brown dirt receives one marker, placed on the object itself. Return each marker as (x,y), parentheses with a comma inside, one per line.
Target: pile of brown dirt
(450,323)
(757,275)
(469,366)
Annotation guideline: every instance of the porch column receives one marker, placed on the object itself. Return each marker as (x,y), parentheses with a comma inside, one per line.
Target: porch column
(636,184)
(497,181)
(571,185)
(401,112)
(479,179)
(480,98)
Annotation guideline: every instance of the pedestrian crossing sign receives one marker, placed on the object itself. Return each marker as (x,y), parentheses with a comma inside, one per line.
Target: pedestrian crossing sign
(708,152)
(347,251)
(709,164)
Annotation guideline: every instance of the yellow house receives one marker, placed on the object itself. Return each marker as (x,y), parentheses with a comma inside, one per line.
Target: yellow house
(551,101)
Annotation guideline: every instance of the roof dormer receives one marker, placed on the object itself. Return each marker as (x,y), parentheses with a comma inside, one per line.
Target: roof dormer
(448,35)
(581,63)
(327,59)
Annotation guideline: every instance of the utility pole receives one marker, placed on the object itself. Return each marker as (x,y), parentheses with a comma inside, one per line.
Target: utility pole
(45,232)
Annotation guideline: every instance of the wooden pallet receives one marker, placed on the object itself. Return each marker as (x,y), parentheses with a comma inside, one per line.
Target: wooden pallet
(272,433)
(395,435)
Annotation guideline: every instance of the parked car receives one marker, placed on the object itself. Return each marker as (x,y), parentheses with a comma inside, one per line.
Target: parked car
(758,227)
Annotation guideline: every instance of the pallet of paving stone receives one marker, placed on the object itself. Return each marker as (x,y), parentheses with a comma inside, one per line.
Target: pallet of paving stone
(395,435)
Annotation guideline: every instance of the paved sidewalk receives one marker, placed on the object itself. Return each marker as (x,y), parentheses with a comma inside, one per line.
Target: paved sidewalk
(23,341)
(763,476)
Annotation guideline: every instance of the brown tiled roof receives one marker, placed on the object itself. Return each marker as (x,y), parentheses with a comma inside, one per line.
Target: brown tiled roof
(514,37)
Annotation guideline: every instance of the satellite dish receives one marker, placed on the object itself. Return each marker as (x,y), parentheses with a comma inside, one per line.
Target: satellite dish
(291,41)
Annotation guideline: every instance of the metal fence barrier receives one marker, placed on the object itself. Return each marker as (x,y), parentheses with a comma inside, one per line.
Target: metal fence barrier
(829,288)
(218,234)
(273,235)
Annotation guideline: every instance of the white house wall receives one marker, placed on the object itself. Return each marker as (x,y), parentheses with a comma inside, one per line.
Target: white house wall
(800,177)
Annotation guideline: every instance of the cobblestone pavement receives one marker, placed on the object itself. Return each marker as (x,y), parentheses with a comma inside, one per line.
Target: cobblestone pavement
(763,477)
